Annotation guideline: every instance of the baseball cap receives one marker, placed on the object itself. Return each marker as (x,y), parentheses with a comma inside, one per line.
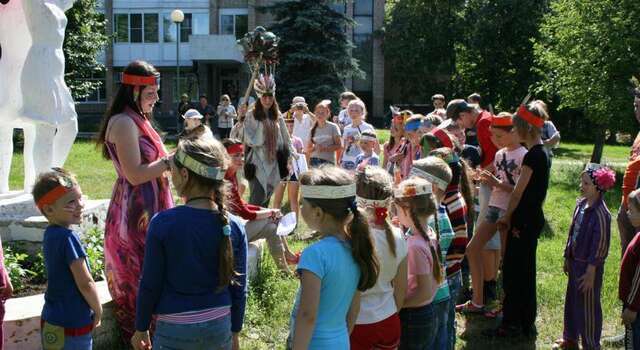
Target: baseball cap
(192,114)
(457,106)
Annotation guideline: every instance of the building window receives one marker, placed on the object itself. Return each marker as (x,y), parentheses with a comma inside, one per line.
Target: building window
(363,8)
(186,28)
(151,28)
(135,27)
(234,25)
(200,24)
(339,7)
(121,27)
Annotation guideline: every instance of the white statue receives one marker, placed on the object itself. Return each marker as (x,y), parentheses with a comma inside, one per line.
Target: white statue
(33,94)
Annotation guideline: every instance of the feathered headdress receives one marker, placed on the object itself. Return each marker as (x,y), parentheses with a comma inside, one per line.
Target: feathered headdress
(265,84)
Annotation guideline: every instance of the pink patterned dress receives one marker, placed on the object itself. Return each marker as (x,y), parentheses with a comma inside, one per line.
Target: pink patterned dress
(130,211)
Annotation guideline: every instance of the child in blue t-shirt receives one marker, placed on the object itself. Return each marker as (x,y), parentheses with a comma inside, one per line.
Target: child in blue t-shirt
(335,268)
(72,308)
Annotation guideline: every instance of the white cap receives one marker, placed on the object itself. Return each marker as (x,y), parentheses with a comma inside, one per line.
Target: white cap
(192,114)
(298,100)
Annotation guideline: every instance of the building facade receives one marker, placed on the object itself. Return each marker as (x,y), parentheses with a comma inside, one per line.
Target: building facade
(205,49)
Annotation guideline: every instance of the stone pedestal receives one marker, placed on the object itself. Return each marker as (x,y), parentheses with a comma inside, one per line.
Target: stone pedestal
(20,220)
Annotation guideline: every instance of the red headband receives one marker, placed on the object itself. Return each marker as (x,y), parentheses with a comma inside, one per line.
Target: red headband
(139,80)
(443,137)
(52,196)
(529,117)
(501,121)
(235,149)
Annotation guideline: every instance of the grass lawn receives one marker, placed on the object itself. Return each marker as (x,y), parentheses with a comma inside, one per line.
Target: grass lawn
(271,295)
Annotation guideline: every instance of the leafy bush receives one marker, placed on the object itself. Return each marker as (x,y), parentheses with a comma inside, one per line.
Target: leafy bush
(94,245)
(13,263)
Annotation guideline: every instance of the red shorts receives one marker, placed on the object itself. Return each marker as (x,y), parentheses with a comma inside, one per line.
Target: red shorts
(380,335)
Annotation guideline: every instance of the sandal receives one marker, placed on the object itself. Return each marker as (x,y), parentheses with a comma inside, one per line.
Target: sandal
(564,344)
(469,308)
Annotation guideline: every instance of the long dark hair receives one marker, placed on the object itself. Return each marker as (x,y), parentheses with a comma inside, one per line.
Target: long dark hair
(212,153)
(259,113)
(124,98)
(375,183)
(340,208)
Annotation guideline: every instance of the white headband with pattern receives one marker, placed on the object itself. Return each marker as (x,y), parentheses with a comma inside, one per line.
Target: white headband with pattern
(372,203)
(328,192)
(412,191)
(442,184)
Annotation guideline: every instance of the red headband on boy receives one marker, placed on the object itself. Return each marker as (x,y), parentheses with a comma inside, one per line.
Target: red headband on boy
(52,196)
(235,149)
(443,137)
(140,80)
(529,117)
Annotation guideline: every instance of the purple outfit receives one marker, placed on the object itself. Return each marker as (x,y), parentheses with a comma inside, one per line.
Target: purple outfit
(588,244)
(130,210)
(4,281)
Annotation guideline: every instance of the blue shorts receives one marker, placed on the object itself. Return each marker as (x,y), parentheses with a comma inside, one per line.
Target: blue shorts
(493,214)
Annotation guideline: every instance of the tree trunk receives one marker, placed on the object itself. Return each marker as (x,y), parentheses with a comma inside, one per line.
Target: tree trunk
(598,147)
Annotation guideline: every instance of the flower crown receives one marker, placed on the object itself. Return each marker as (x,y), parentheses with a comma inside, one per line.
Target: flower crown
(603,177)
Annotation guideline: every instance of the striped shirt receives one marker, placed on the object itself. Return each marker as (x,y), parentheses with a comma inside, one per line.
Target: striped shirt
(200,316)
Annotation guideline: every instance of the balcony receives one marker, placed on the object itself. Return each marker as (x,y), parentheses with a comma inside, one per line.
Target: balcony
(214,48)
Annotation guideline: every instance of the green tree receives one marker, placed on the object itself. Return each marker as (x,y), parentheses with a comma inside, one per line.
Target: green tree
(315,53)
(495,53)
(419,47)
(587,52)
(84,39)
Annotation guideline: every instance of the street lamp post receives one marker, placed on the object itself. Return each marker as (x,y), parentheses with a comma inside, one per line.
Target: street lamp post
(177,16)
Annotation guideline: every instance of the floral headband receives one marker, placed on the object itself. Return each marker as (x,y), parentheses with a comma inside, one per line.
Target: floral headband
(603,177)
(379,206)
(412,190)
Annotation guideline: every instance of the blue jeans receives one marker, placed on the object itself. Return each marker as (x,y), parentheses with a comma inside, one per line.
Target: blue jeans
(632,335)
(419,327)
(455,285)
(442,333)
(210,335)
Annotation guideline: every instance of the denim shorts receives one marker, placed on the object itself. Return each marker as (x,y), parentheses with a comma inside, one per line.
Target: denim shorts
(419,327)
(316,162)
(211,335)
(493,214)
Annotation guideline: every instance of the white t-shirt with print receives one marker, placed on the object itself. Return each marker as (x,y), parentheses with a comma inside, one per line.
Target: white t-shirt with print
(351,149)
(302,128)
(378,303)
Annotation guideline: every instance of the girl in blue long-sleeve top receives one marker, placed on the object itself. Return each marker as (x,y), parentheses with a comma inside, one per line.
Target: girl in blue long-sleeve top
(193,277)
(587,248)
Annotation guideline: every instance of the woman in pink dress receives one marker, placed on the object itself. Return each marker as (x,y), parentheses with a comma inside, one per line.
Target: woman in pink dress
(141,190)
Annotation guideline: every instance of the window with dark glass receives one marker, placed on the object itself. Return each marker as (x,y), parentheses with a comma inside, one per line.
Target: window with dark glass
(363,8)
(241,25)
(151,28)
(121,27)
(186,28)
(135,27)
(169,28)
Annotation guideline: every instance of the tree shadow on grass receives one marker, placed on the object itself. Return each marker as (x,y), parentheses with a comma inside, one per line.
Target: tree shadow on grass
(475,340)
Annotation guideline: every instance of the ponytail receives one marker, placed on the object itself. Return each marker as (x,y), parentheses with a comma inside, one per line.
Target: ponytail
(435,253)
(225,251)
(466,189)
(391,240)
(362,250)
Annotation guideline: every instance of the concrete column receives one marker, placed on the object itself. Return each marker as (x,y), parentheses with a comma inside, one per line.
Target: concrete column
(378,60)
(214,10)
(252,16)
(109,85)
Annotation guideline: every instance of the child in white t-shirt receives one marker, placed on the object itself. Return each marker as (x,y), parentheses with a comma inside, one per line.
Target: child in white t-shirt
(378,323)
(352,133)
(368,140)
